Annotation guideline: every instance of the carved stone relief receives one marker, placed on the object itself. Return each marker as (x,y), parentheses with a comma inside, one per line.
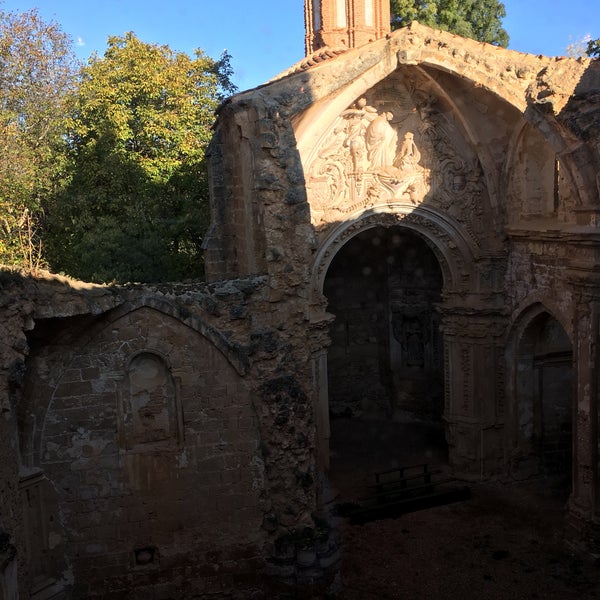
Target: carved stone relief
(396,145)
(150,404)
(362,164)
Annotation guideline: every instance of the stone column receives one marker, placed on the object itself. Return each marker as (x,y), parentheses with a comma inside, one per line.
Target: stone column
(474,371)
(584,504)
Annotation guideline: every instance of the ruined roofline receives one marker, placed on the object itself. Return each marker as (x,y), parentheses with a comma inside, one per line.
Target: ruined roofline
(507,73)
(329,52)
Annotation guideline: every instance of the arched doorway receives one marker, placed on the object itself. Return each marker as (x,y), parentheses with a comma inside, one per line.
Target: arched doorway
(385,363)
(543,408)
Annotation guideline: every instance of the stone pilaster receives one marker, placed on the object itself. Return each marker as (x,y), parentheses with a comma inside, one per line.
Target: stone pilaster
(584,504)
(474,372)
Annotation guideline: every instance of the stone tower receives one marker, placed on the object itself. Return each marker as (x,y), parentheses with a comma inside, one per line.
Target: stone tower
(349,23)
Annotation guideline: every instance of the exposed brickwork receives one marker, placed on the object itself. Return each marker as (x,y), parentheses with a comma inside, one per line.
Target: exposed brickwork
(333,23)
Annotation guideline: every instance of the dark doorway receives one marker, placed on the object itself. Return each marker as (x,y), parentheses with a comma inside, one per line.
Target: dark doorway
(385,364)
(543,388)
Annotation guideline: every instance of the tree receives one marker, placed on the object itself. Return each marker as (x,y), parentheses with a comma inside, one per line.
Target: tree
(593,48)
(477,19)
(577,48)
(136,207)
(37,73)
(584,46)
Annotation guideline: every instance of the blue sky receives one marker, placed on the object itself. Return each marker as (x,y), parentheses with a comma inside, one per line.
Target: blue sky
(265,37)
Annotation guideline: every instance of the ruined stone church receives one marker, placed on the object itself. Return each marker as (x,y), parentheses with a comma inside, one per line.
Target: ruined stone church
(405,227)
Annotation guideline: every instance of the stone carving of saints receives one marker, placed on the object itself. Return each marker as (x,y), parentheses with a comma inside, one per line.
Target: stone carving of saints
(381,140)
(358,120)
(408,156)
(327,172)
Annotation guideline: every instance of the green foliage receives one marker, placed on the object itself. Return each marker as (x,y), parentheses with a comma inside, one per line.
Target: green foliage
(477,19)
(37,74)
(593,48)
(136,206)
(406,11)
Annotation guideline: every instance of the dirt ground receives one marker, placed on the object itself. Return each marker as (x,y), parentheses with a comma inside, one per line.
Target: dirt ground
(504,543)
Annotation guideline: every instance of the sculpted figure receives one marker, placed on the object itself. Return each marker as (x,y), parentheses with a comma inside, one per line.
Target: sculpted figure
(381,140)
(334,143)
(327,172)
(358,119)
(355,143)
(408,156)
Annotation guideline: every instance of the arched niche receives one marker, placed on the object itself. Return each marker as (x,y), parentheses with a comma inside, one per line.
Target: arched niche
(542,380)
(150,403)
(533,189)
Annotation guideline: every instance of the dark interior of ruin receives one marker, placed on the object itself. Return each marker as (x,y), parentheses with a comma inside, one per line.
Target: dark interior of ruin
(384,366)
(385,370)
(544,383)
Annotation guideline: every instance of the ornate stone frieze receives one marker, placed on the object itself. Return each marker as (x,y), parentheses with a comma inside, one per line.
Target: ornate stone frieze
(395,147)
(362,163)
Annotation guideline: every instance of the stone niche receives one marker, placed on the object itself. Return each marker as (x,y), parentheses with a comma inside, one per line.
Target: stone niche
(150,404)
(544,383)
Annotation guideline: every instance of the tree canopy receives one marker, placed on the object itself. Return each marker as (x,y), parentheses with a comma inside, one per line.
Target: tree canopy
(136,204)
(104,162)
(593,48)
(37,74)
(477,19)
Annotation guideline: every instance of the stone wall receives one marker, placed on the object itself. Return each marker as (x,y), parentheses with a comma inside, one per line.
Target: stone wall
(490,156)
(166,446)
(20,299)
(149,439)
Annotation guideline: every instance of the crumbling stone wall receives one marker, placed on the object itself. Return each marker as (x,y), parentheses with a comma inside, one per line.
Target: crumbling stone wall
(501,182)
(12,539)
(144,469)
(165,443)
(20,299)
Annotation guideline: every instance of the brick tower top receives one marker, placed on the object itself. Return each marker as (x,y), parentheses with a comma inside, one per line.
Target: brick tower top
(349,23)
